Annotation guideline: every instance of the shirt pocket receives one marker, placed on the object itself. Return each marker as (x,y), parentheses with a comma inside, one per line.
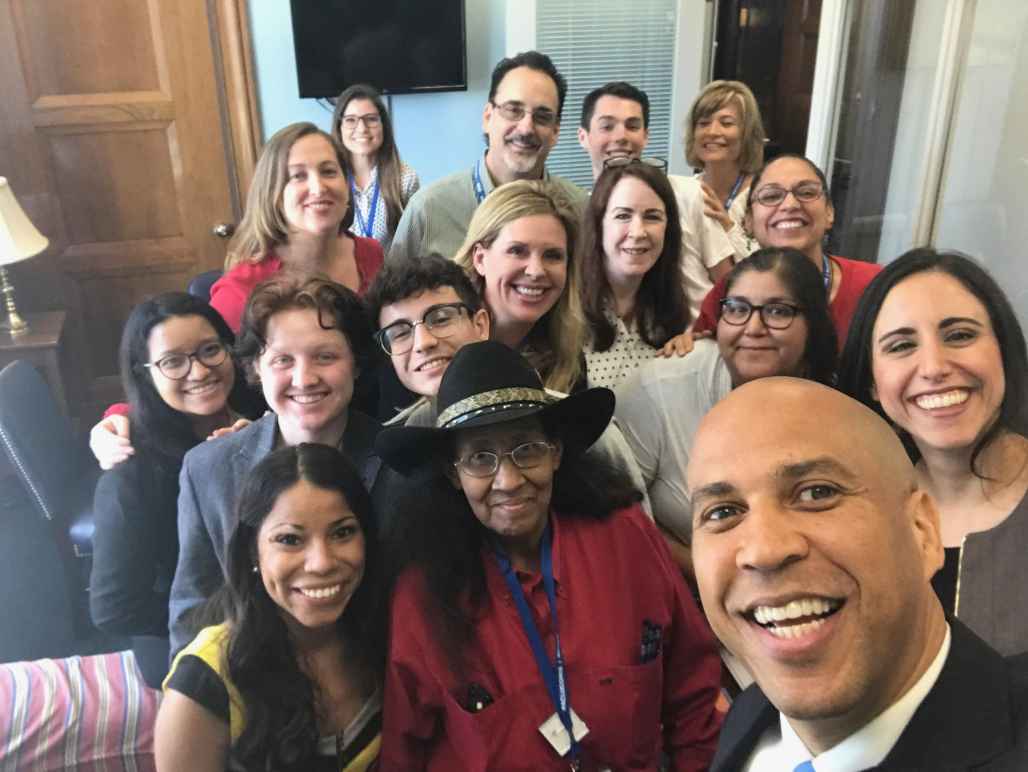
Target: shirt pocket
(504,735)
(622,707)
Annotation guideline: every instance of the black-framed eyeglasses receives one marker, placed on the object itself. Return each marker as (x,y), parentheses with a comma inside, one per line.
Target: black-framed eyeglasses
(804,192)
(441,320)
(371,120)
(623,160)
(515,111)
(178,366)
(775,316)
(485,463)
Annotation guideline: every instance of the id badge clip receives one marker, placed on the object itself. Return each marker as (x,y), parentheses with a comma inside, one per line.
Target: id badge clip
(557,736)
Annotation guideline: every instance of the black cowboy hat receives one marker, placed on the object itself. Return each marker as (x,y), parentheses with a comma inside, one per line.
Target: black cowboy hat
(488,383)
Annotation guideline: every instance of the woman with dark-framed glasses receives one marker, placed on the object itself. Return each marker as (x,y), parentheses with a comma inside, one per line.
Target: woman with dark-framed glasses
(523,633)
(790,205)
(380,183)
(773,320)
(629,254)
(182,384)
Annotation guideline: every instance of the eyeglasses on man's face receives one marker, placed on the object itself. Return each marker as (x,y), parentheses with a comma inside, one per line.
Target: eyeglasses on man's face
(371,121)
(804,192)
(441,320)
(515,111)
(775,316)
(623,160)
(485,463)
(178,366)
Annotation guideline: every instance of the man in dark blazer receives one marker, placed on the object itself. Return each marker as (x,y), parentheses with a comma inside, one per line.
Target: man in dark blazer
(814,549)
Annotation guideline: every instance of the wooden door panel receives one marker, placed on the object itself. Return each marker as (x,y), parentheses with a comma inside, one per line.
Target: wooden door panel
(123,158)
(104,46)
(110,299)
(123,182)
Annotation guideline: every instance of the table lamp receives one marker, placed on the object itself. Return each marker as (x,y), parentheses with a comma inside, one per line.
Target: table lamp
(19,240)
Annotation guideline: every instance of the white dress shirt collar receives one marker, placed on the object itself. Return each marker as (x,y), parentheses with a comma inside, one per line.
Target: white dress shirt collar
(782,749)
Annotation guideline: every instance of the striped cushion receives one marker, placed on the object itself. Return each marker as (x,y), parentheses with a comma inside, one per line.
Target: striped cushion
(80,713)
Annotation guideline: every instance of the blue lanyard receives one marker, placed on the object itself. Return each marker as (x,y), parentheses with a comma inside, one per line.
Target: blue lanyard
(826,272)
(735,191)
(553,673)
(365,227)
(476,180)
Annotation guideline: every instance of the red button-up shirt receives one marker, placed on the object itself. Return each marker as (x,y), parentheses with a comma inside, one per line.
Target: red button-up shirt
(613,576)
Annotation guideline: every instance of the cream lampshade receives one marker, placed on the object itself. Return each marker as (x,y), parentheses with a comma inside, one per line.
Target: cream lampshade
(19,240)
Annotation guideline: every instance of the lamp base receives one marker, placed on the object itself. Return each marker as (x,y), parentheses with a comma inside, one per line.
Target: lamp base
(14,323)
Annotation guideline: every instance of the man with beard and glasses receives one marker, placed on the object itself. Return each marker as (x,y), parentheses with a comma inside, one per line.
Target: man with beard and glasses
(521,122)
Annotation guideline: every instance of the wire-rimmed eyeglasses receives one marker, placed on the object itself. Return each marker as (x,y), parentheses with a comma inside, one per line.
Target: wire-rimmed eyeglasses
(485,463)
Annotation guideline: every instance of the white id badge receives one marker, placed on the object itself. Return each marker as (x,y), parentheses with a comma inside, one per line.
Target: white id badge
(557,736)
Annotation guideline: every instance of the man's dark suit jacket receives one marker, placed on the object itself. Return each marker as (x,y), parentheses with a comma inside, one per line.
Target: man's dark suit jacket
(974,718)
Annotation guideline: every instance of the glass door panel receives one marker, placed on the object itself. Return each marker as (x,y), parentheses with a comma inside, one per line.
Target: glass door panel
(983,205)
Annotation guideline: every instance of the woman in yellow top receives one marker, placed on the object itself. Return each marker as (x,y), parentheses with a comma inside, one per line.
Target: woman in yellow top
(291,679)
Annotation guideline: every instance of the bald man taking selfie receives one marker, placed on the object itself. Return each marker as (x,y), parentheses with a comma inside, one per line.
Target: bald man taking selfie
(814,550)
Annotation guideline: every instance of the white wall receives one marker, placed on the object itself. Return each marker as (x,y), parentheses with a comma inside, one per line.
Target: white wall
(440,133)
(436,133)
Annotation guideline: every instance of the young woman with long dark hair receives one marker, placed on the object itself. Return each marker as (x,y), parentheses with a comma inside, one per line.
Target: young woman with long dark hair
(290,680)
(936,348)
(182,384)
(380,183)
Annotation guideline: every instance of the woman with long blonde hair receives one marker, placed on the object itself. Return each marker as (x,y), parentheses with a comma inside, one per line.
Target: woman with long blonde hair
(518,254)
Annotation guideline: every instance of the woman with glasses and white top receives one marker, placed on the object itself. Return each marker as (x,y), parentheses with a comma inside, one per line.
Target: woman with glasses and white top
(380,183)
(790,205)
(630,254)
(773,320)
(181,384)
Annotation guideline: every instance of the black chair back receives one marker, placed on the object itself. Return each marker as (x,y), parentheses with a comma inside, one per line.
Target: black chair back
(200,285)
(56,467)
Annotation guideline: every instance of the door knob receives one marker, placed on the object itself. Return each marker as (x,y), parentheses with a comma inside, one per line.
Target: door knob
(223,230)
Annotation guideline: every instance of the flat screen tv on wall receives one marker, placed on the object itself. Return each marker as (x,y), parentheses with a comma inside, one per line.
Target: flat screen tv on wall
(398,46)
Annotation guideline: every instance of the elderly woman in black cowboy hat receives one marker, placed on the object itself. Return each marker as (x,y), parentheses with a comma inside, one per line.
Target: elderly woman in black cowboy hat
(539,621)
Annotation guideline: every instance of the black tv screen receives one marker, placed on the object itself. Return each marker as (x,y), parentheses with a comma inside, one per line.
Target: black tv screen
(398,46)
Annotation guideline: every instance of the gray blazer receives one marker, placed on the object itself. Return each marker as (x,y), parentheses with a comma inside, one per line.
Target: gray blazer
(211,480)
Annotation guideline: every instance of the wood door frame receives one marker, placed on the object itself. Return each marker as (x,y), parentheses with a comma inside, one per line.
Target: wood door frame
(233,57)
(220,26)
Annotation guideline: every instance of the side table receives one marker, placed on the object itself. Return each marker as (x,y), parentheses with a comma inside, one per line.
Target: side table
(41,345)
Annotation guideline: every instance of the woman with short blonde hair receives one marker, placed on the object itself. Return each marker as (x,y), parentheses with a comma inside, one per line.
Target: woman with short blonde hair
(724,140)
(716,96)
(518,255)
